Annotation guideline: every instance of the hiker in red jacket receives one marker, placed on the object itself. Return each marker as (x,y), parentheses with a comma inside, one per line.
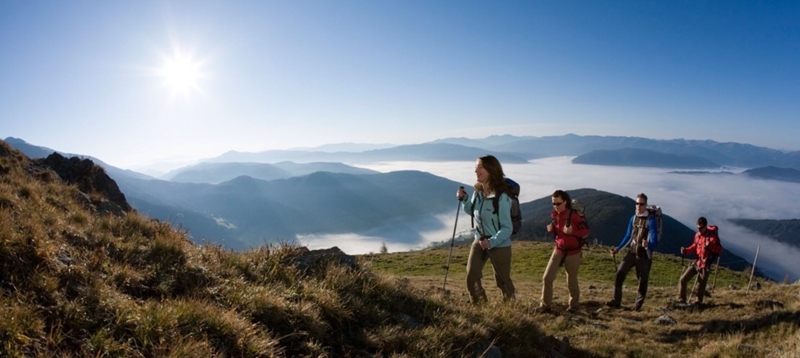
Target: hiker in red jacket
(707,247)
(567,251)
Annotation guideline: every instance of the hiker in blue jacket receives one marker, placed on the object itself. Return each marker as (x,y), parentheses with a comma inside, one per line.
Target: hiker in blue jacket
(641,235)
(492,229)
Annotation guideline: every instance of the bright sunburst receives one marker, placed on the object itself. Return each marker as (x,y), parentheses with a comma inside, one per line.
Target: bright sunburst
(181,73)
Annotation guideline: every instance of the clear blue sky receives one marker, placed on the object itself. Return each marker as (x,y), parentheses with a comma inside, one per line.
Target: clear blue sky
(103,78)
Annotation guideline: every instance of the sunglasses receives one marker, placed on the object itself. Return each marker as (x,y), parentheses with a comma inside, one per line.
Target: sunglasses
(557,204)
(641,204)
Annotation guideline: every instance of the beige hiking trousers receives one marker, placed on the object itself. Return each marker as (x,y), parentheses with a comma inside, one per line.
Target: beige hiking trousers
(571,264)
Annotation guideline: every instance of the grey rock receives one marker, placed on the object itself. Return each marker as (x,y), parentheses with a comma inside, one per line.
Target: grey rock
(665,319)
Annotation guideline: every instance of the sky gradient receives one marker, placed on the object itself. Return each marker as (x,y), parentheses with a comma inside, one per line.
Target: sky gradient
(93,77)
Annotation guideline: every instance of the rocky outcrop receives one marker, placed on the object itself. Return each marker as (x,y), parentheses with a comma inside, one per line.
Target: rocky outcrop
(310,260)
(100,193)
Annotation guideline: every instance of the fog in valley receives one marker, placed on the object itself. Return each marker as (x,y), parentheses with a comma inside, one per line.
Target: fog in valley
(683,196)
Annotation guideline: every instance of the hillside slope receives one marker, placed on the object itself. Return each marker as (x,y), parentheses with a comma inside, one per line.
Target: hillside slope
(735,321)
(79,281)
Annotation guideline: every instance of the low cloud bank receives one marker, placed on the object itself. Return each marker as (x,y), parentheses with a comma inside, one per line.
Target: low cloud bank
(409,236)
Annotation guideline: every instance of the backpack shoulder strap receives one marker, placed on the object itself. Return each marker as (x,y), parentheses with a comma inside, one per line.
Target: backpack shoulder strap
(569,217)
(495,203)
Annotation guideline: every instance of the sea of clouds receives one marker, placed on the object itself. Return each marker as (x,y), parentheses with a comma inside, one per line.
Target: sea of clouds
(684,197)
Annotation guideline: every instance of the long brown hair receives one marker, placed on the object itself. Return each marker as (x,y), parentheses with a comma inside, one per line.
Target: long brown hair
(497,179)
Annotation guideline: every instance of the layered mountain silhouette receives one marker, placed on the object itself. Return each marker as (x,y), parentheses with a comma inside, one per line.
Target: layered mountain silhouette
(415,152)
(245,211)
(253,211)
(638,157)
(787,231)
(725,154)
(774,173)
(215,173)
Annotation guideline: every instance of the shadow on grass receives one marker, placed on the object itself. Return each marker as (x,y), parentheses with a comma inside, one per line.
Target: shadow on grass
(742,326)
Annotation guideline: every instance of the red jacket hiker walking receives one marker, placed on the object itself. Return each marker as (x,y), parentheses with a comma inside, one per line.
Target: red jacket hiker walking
(707,246)
(566,252)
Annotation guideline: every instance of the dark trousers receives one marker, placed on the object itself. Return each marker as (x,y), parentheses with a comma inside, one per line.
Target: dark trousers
(642,264)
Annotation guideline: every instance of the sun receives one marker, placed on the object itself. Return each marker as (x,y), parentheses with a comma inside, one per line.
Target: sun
(181,74)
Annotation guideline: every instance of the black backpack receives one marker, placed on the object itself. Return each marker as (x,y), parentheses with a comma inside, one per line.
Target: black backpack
(516,214)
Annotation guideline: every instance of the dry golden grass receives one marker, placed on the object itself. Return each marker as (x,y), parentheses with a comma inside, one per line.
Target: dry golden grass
(733,323)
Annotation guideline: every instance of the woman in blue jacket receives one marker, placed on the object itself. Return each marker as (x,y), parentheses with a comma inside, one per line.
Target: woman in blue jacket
(492,228)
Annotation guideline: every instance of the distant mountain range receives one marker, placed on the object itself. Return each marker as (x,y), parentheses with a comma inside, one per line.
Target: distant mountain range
(677,153)
(774,173)
(767,173)
(638,157)
(787,231)
(726,154)
(249,212)
(244,211)
(214,173)
(414,152)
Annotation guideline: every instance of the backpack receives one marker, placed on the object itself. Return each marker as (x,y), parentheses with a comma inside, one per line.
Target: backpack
(516,214)
(577,207)
(715,230)
(655,211)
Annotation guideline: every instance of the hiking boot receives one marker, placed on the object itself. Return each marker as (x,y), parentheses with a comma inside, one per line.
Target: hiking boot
(543,309)
(613,304)
(571,310)
(637,308)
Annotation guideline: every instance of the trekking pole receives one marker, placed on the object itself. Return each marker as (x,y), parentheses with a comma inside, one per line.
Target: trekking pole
(753,270)
(452,243)
(716,269)
(614,257)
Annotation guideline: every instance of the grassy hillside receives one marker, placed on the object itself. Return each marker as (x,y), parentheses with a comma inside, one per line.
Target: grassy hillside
(736,322)
(78,283)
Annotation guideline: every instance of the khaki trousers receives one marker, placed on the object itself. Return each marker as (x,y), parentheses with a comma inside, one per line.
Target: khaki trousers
(571,264)
(702,279)
(501,265)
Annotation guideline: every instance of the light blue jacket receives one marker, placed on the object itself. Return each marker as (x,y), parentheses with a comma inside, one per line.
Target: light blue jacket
(487,223)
